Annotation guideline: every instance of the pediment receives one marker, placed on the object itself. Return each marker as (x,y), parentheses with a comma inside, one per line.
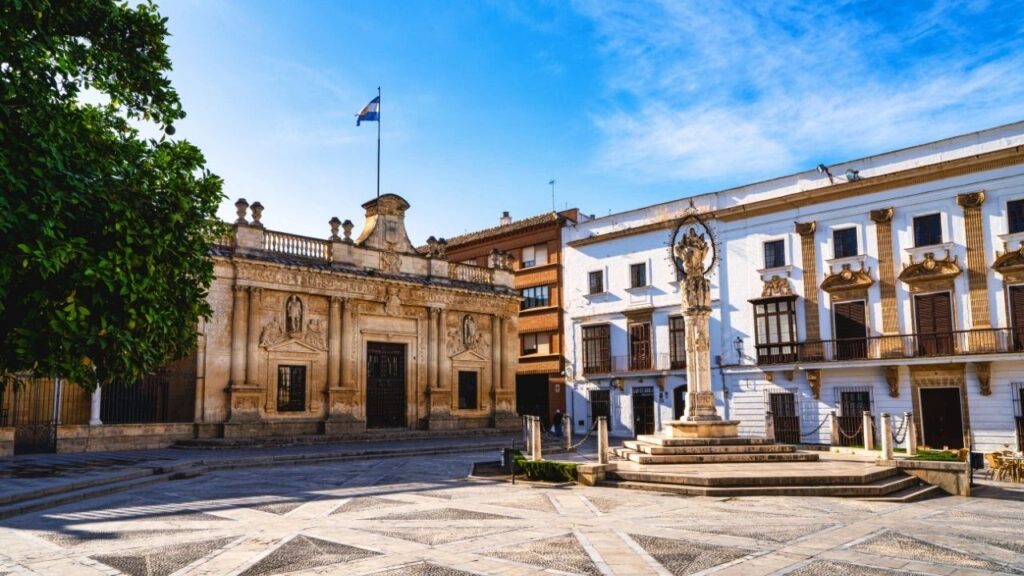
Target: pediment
(1010,264)
(848,279)
(929,270)
(294,345)
(470,356)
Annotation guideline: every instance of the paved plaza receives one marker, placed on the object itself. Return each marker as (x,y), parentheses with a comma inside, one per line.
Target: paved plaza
(422,516)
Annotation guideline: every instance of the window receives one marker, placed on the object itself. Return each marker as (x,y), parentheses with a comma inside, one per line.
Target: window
(596,280)
(1015,215)
(600,405)
(677,342)
(637,275)
(536,344)
(927,230)
(535,256)
(850,325)
(291,388)
(467,390)
(775,330)
(596,345)
(844,243)
(535,297)
(640,346)
(775,254)
(934,316)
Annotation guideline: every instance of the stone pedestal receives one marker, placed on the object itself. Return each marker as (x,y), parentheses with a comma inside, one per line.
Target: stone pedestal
(698,429)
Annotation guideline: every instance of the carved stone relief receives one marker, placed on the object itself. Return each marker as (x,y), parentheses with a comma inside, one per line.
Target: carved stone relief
(847,280)
(776,286)
(892,378)
(984,372)
(814,380)
(929,273)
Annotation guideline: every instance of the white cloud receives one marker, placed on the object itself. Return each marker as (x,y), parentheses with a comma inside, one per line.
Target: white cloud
(717,90)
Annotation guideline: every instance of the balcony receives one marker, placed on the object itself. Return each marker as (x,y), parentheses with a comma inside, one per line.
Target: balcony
(957,343)
(633,364)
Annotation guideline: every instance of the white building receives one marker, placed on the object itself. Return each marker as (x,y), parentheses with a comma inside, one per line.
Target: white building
(893,283)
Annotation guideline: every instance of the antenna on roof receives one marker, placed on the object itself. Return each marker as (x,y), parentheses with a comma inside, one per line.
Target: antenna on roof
(552,184)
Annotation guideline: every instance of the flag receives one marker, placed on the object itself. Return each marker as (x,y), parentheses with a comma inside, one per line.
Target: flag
(370,112)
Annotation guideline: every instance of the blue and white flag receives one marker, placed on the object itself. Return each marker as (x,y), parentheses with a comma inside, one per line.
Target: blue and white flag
(370,112)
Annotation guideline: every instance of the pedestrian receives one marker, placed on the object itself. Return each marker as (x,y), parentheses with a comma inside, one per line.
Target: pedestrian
(558,423)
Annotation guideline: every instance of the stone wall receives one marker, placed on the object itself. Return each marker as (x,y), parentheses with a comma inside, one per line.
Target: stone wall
(6,442)
(118,437)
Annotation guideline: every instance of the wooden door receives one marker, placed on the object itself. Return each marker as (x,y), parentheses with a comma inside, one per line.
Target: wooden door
(640,346)
(787,423)
(1017,317)
(385,385)
(643,410)
(934,315)
(941,418)
(852,405)
(679,402)
(851,330)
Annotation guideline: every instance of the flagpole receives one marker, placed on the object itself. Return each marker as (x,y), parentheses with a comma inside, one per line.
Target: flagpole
(378,142)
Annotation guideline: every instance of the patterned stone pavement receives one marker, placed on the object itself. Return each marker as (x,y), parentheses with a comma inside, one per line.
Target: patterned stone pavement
(420,516)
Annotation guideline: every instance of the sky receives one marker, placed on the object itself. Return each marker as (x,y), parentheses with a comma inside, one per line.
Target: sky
(623,104)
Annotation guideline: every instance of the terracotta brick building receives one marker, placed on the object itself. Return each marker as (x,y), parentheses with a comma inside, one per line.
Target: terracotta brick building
(535,246)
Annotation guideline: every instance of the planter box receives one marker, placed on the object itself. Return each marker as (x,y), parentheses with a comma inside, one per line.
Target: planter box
(952,477)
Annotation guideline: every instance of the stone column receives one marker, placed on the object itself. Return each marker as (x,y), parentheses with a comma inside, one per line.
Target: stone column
(769,425)
(911,434)
(240,310)
(833,439)
(334,344)
(567,430)
(253,338)
(886,439)
(94,407)
(496,349)
(602,440)
(700,400)
(348,380)
(536,444)
(868,431)
(433,335)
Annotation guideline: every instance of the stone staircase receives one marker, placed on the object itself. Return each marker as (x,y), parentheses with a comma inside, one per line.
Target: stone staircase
(664,450)
(729,467)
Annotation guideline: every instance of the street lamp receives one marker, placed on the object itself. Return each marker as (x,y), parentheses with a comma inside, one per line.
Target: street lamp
(738,346)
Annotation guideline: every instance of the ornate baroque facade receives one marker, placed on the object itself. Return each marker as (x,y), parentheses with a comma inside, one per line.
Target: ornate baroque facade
(327,336)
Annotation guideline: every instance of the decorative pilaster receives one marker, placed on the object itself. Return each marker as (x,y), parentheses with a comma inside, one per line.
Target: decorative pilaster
(886,271)
(433,335)
(239,333)
(977,272)
(810,271)
(253,338)
(334,344)
(348,380)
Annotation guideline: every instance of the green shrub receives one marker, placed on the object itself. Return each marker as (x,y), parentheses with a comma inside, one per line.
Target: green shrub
(936,456)
(546,470)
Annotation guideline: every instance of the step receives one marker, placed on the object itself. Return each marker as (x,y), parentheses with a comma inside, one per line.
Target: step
(52,501)
(311,439)
(878,488)
(911,494)
(657,450)
(879,473)
(641,458)
(666,441)
(73,485)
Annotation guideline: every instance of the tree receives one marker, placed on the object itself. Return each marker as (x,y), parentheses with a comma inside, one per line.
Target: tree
(105,263)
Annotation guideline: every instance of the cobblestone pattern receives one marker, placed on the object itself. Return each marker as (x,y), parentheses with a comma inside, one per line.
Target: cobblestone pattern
(419,516)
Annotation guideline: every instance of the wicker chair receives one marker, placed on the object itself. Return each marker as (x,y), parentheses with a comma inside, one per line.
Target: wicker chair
(994,463)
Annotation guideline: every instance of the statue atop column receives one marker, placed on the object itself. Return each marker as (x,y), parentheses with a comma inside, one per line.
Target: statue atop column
(692,250)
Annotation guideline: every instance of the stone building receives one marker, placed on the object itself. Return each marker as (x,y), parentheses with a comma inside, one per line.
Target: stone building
(891,283)
(532,247)
(308,336)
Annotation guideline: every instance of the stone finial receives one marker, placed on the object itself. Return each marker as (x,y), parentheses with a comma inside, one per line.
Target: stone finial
(257,213)
(335,223)
(241,205)
(431,247)
(495,258)
(346,227)
(442,249)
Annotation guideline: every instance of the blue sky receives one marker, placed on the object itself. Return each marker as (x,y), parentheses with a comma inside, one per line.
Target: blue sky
(623,104)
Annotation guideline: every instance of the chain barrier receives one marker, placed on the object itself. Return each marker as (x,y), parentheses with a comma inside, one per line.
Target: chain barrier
(896,438)
(585,437)
(822,423)
(856,435)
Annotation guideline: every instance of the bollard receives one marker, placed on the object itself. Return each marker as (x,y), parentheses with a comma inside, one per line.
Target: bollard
(834,436)
(769,426)
(911,434)
(869,432)
(527,435)
(537,453)
(567,431)
(602,440)
(886,439)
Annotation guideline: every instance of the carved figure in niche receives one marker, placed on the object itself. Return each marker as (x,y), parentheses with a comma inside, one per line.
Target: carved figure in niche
(468,332)
(392,304)
(315,335)
(293,315)
(272,333)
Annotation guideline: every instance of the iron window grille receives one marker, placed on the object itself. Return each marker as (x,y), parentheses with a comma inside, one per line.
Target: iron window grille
(291,388)
(596,349)
(467,390)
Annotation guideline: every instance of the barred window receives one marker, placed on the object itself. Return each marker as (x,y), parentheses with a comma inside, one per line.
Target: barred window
(467,390)
(291,388)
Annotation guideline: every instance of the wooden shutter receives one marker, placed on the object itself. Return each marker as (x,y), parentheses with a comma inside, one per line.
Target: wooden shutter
(850,320)
(1017,307)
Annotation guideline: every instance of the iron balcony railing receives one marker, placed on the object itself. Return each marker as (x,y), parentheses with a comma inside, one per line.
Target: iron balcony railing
(956,343)
(635,363)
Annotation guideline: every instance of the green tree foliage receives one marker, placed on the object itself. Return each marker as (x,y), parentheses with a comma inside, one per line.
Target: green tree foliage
(105,233)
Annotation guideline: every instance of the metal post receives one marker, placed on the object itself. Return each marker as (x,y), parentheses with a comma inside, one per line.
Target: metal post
(834,436)
(911,434)
(886,440)
(868,430)
(769,426)
(602,440)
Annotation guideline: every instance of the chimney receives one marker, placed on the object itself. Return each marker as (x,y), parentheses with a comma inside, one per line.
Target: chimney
(505,219)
